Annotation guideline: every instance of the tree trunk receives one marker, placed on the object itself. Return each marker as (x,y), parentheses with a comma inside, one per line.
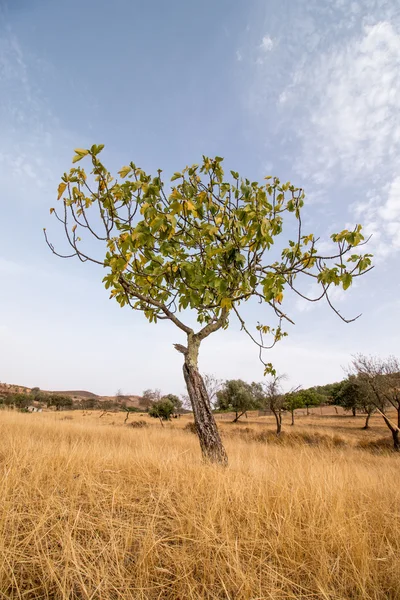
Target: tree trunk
(336,410)
(366,426)
(278,422)
(308,412)
(292,423)
(353,410)
(396,441)
(237,417)
(395,432)
(210,441)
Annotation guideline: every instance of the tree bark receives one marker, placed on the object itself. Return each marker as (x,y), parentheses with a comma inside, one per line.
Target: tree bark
(366,426)
(210,440)
(396,441)
(353,410)
(292,423)
(278,419)
(395,432)
(237,416)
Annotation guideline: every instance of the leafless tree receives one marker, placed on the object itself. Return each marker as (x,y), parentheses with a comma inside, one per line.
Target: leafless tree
(271,397)
(213,385)
(382,375)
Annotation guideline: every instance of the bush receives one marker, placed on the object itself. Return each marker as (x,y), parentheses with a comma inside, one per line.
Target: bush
(138,424)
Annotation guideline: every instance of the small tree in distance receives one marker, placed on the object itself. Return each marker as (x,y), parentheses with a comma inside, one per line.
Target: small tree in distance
(162,409)
(292,401)
(270,396)
(237,396)
(382,376)
(203,245)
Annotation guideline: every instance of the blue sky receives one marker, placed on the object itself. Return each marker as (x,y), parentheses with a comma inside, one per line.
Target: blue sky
(306,90)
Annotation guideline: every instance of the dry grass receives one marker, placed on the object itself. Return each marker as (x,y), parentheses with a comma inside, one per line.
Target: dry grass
(99,511)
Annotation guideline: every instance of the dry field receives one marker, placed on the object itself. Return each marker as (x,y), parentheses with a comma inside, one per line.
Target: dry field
(95,509)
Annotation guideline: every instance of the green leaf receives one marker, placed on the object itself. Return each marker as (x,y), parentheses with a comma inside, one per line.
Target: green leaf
(124,171)
(79,154)
(176,176)
(346,280)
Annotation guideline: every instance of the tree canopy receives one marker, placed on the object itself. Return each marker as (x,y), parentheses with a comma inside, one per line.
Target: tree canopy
(204,244)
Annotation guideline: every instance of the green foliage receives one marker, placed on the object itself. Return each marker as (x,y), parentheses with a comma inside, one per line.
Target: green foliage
(237,396)
(203,244)
(175,401)
(20,401)
(162,409)
(293,400)
(310,397)
(59,401)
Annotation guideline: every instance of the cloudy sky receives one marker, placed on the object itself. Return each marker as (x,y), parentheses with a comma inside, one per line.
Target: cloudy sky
(308,90)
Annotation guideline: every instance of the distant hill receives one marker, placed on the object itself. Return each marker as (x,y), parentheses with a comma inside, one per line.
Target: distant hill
(78,396)
(80,393)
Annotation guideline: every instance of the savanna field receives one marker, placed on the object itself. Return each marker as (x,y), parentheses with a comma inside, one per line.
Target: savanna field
(92,508)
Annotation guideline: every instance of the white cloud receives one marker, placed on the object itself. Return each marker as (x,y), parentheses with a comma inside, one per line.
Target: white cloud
(345,106)
(239,56)
(267,43)
(391,209)
(353,97)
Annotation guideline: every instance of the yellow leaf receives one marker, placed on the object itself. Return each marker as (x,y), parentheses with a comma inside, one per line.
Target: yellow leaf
(226,303)
(279,297)
(73,228)
(51,210)
(79,154)
(61,190)
(124,171)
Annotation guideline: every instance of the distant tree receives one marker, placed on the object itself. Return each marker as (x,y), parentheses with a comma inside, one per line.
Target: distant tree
(88,403)
(36,393)
(382,375)
(119,396)
(203,245)
(237,396)
(212,385)
(148,398)
(270,396)
(162,410)
(355,394)
(310,397)
(175,400)
(292,401)
(19,400)
(59,401)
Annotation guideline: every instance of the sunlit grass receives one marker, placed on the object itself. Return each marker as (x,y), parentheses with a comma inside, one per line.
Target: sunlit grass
(91,509)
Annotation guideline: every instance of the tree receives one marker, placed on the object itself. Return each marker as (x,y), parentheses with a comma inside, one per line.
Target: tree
(382,375)
(148,398)
(292,401)
(212,385)
(36,393)
(310,397)
(270,396)
(204,246)
(20,401)
(59,401)
(355,393)
(175,401)
(162,409)
(236,395)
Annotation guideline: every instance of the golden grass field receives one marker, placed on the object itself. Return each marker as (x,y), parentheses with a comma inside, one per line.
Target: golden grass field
(95,509)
